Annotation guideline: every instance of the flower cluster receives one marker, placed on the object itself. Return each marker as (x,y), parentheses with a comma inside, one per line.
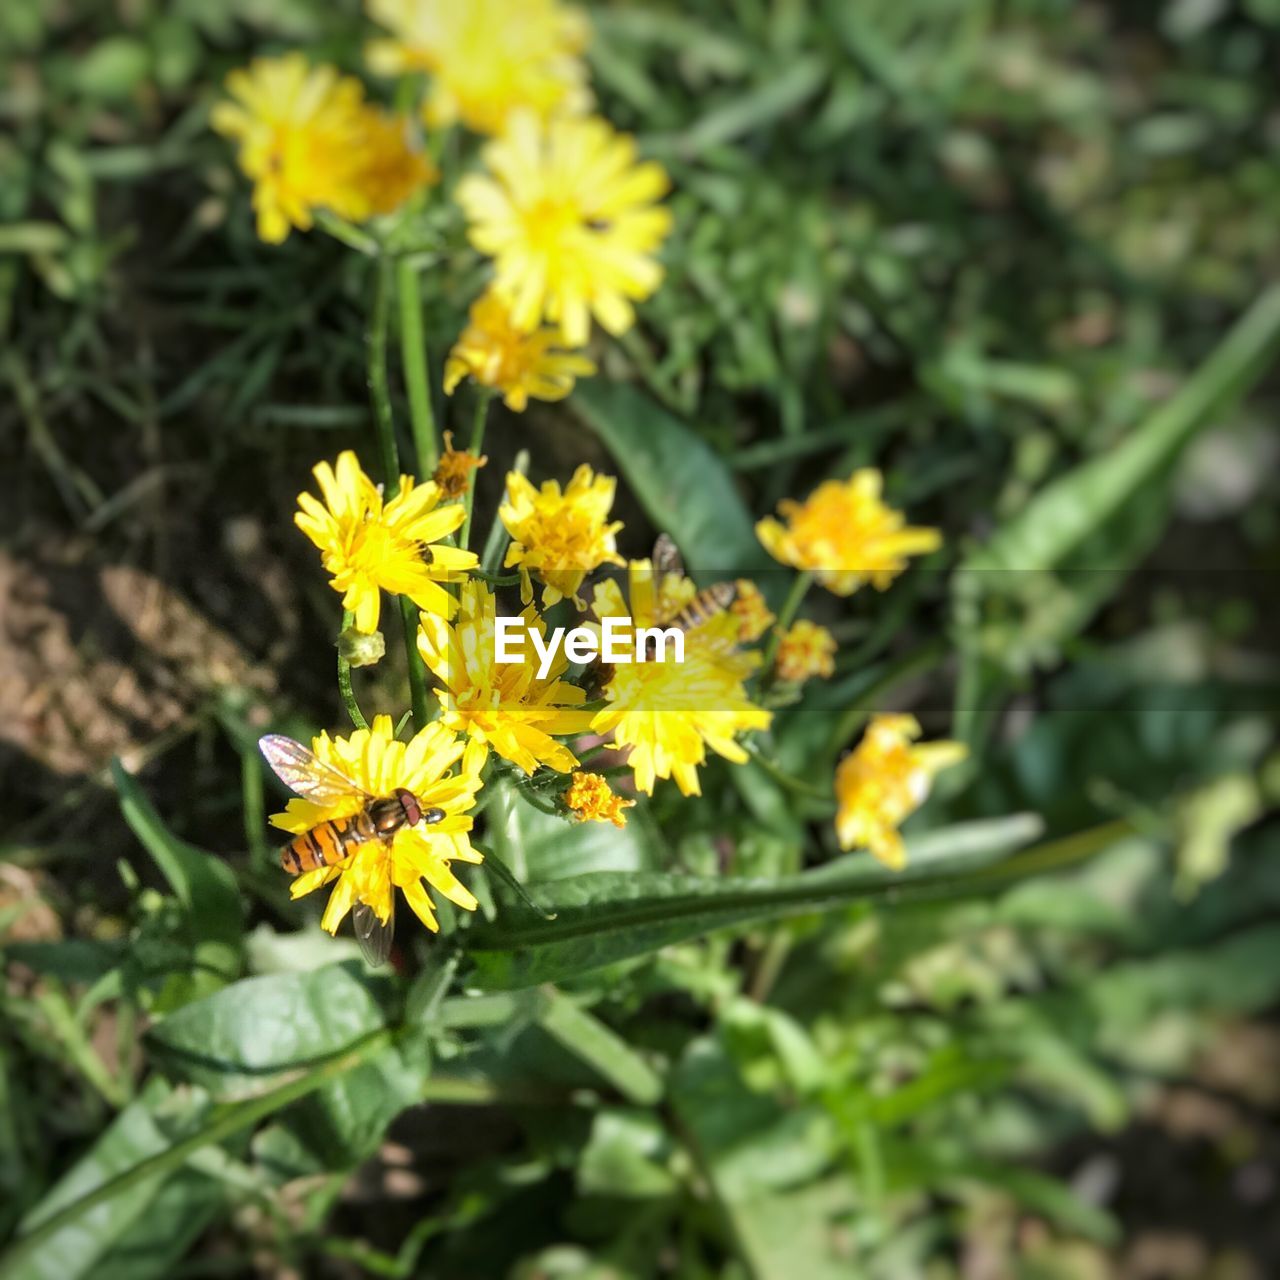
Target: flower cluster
(571,221)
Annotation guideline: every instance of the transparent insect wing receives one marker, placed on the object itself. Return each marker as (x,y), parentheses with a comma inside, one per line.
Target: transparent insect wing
(304,773)
(373,936)
(666,557)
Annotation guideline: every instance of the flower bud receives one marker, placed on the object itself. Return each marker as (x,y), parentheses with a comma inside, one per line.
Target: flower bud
(359,649)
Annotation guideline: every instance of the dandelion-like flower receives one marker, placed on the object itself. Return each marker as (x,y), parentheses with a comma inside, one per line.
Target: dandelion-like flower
(500,705)
(570,219)
(486,58)
(309,141)
(560,536)
(590,798)
(369,546)
(805,650)
(519,365)
(374,760)
(846,535)
(668,713)
(749,607)
(453,471)
(883,780)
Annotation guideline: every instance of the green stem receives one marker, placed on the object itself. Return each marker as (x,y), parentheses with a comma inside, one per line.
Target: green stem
(413,355)
(228,1120)
(495,547)
(477,442)
(344,681)
(912,664)
(790,607)
(380,395)
(784,779)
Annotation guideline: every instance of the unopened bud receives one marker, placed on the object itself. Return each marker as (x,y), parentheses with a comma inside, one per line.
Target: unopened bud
(359,649)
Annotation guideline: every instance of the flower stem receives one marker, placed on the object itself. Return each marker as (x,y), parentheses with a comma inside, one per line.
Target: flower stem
(413,355)
(495,547)
(477,441)
(344,681)
(380,395)
(786,617)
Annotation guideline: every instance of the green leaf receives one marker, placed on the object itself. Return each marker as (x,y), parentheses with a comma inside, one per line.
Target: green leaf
(76,1247)
(626,1156)
(684,487)
(201,881)
(1059,518)
(240,1040)
(604,917)
(585,1036)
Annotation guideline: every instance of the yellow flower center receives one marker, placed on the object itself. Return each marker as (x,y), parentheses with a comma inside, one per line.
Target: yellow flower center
(550,223)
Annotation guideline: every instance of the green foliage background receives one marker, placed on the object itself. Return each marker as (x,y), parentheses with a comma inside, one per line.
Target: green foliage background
(1017,256)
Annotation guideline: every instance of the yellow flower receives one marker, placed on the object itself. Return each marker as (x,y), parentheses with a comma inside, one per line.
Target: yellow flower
(374,760)
(453,471)
(753,615)
(883,780)
(520,365)
(846,535)
(560,536)
(502,705)
(806,650)
(593,800)
(370,547)
(668,713)
(309,141)
(487,58)
(568,215)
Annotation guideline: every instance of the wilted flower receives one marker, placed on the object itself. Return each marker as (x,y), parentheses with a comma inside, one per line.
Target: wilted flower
(749,607)
(845,535)
(805,650)
(883,780)
(503,705)
(591,799)
(376,762)
(668,713)
(453,471)
(309,141)
(560,536)
(497,354)
(370,547)
(486,58)
(568,215)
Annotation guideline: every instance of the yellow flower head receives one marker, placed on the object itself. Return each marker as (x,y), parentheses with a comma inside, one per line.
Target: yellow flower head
(502,705)
(370,547)
(453,471)
(591,799)
(498,355)
(486,58)
(883,780)
(375,761)
(806,650)
(310,141)
(753,615)
(667,713)
(561,537)
(846,535)
(568,215)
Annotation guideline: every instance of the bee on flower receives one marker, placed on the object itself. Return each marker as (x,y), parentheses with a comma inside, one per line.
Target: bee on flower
(309,141)
(560,536)
(883,780)
(666,714)
(505,706)
(518,364)
(590,799)
(372,763)
(805,650)
(486,58)
(845,535)
(370,546)
(570,218)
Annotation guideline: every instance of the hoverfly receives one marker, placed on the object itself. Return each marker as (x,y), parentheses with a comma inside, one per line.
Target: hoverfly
(709,602)
(336,839)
